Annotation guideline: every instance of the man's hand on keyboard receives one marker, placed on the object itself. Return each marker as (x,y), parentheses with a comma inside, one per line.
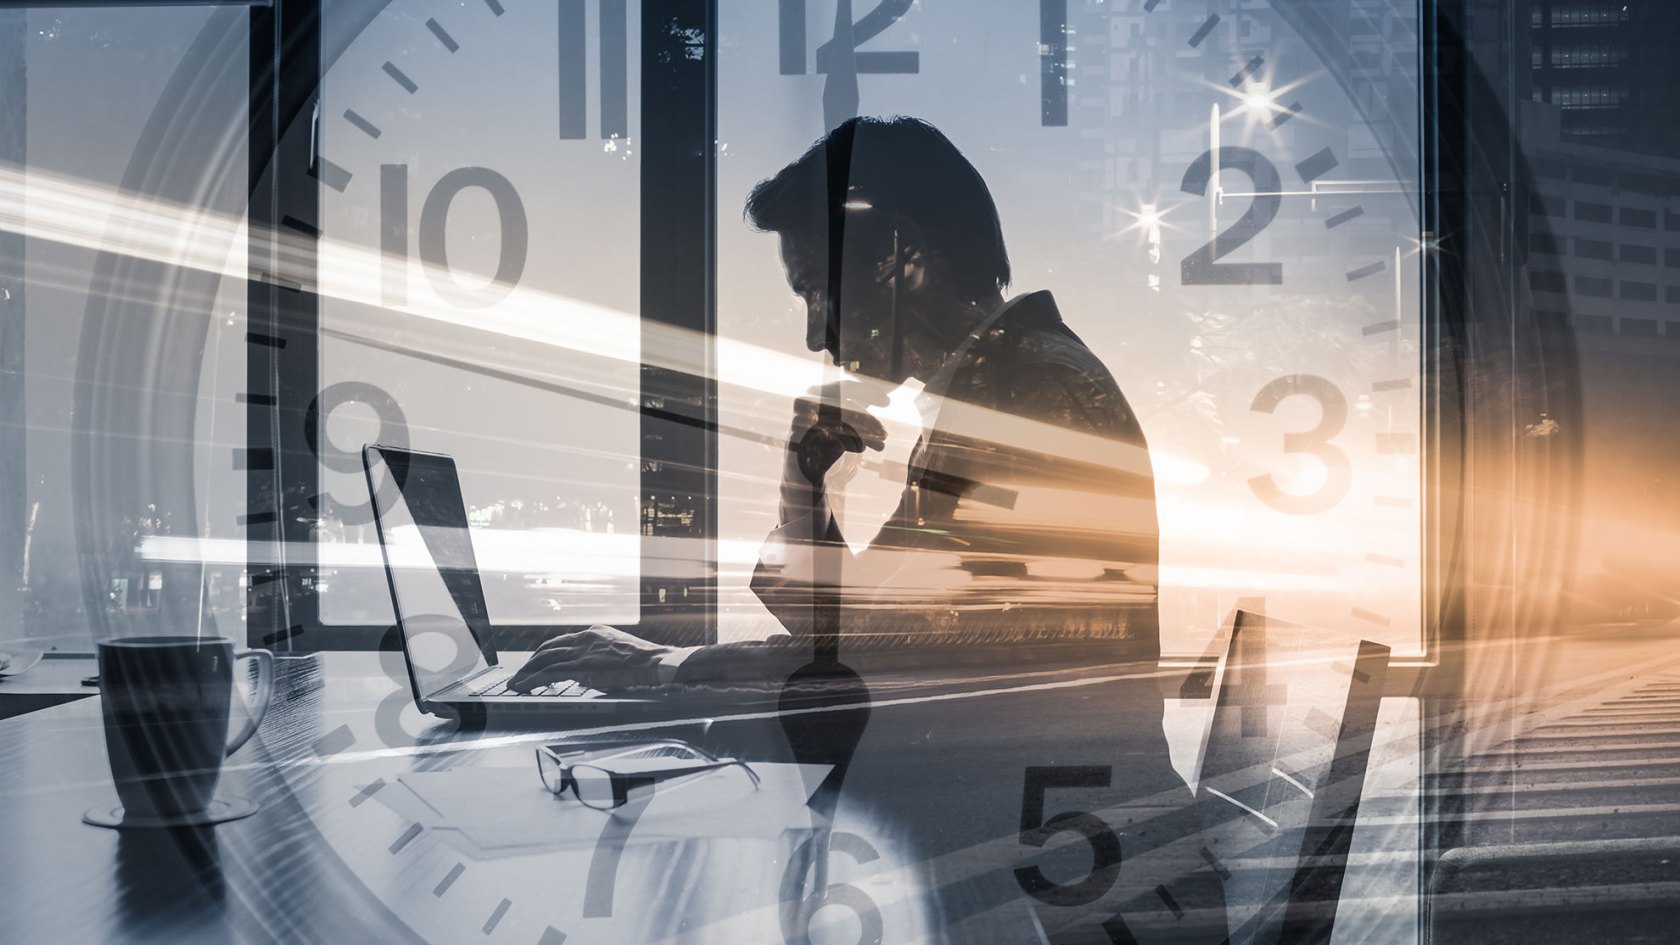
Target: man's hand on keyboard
(600,657)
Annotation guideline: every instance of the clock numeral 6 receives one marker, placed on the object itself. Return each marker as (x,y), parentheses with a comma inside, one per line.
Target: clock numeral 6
(1036,832)
(1338,474)
(512,250)
(797,908)
(1202,267)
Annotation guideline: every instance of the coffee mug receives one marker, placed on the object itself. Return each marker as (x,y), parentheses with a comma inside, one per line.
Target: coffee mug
(166,702)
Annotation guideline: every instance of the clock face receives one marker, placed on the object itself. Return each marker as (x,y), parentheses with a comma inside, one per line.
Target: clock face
(1225,208)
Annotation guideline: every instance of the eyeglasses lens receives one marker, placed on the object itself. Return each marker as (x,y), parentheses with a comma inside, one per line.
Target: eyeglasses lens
(594,787)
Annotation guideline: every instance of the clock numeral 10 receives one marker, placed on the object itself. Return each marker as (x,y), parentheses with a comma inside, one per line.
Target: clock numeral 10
(791,27)
(394,241)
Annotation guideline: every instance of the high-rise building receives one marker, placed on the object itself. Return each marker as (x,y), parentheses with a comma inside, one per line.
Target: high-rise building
(1610,66)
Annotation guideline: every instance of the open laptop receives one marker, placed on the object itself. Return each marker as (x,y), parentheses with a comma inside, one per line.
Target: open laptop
(438,598)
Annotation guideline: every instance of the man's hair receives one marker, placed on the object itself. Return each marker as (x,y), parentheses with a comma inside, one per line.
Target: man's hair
(894,166)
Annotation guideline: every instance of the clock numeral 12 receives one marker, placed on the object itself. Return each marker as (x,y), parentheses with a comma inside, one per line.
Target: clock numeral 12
(791,28)
(512,251)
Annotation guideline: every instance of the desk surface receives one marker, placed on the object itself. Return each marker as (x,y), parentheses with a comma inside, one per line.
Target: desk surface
(925,843)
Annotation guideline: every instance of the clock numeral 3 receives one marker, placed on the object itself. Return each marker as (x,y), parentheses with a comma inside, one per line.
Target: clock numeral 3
(512,251)
(1202,267)
(1338,471)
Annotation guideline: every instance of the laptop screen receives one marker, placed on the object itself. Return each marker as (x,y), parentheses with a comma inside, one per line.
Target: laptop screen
(433,575)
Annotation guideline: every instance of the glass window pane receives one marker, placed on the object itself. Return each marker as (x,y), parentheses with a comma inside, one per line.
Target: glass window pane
(479,273)
(124,186)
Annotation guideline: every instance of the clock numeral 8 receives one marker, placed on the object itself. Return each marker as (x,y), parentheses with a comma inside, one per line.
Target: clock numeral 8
(1338,472)
(512,250)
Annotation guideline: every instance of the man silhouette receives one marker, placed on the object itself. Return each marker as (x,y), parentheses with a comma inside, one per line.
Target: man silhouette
(1025,535)
(1028,512)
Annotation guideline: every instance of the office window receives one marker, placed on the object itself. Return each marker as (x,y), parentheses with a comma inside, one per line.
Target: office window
(1671,221)
(1671,294)
(480,298)
(1593,249)
(1671,257)
(1590,212)
(1541,280)
(1542,242)
(1592,96)
(1634,253)
(1589,286)
(136,199)
(1639,291)
(1644,219)
(1639,327)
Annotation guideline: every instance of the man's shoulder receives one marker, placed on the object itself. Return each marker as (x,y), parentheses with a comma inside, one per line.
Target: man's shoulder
(1046,371)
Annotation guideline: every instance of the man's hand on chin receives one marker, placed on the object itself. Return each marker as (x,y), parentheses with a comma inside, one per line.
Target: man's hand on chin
(600,657)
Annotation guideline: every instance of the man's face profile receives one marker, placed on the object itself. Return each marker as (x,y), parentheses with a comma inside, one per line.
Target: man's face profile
(864,322)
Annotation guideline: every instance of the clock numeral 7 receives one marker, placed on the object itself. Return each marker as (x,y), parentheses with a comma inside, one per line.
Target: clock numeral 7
(791,19)
(512,250)
(1036,832)
(1203,267)
(1333,411)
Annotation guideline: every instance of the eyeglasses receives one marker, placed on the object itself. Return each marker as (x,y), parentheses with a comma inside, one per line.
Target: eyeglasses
(601,787)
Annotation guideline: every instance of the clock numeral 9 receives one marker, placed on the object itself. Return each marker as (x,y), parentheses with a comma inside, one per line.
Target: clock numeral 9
(393,431)
(512,251)
(1202,267)
(791,15)
(1338,474)
(1036,832)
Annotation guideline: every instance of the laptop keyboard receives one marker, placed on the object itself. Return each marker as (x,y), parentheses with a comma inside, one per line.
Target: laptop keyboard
(496,686)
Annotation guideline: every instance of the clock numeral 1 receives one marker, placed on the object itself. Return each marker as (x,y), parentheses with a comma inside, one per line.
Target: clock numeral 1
(434,218)
(791,30)
(1053,59)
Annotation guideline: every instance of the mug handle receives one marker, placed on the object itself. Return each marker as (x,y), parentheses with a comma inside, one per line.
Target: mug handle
(257,706)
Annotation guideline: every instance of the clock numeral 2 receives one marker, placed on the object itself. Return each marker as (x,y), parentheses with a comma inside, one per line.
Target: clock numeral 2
(1338,472)
(434,219)
(1202,267)
(792,15)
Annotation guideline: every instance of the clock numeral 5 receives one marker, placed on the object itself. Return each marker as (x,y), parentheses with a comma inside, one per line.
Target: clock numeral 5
(512,250)
(1036,831)
(791,17)
(1338,474)
(1202,267)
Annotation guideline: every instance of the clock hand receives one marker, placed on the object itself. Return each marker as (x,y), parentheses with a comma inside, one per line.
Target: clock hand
(840,92)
